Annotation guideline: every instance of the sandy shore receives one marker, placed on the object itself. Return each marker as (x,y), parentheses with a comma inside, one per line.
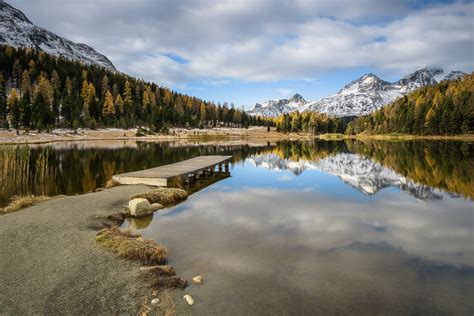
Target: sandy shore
(177,134)
(51,264)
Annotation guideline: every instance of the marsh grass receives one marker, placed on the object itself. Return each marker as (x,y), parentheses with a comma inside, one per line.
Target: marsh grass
(19,202)
(164,196)
(131,246)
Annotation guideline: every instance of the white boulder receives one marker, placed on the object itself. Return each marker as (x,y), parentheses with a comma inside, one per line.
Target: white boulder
(140,207)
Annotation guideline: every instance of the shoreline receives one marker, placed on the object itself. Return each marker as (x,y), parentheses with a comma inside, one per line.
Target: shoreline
(177,134)
(259,134)
(46,255)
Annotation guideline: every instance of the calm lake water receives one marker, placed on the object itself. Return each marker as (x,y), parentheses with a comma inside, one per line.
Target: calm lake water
(299,227)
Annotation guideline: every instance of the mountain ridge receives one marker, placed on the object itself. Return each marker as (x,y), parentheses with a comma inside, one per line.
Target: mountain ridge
(361,96)
(18,31)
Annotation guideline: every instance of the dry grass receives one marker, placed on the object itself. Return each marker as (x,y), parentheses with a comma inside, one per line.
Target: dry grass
(164,196)
(131,246)
(111,183)
(20,202)
(173,282)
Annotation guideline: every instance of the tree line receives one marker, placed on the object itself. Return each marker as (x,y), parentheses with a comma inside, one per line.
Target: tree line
(446,108)
(41,91)
(310,122)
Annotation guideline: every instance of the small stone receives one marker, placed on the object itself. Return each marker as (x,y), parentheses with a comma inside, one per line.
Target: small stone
(197,279)
(140,207)
(188,299)
(155,301)
(157,206)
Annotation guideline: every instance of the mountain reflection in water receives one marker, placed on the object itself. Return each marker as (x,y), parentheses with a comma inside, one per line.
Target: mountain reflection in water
(359,172)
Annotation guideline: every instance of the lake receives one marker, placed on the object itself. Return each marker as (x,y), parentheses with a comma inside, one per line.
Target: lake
(317,227)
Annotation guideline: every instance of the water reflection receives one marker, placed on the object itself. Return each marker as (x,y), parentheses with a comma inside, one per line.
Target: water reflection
(361,173)
(292,247)
(75,168)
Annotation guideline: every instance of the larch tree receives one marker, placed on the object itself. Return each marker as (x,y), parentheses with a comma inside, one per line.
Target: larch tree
(14,109)
(109,110)
(202,114)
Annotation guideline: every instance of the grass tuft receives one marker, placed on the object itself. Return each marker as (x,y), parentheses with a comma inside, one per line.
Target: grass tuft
(131,246)
(20,202)
(164,196)
(111,183)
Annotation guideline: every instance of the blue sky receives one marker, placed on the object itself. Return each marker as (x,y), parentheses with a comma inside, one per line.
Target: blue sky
(247,51)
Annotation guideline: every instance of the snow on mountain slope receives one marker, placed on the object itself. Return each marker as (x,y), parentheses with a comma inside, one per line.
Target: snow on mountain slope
(359,172)
(273,108)
(361,96)
(17,30)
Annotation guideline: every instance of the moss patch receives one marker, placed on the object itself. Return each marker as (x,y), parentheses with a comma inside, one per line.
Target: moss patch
(164,196)
(131,246)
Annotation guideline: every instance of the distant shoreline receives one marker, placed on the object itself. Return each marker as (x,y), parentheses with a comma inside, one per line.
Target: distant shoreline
(215,134)
(176,134)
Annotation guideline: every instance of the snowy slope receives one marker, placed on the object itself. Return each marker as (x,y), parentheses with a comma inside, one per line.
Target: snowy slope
(17,31)
(273,108)
(361,96)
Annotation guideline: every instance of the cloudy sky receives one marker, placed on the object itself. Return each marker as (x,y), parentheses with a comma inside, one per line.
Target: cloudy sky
(244,51)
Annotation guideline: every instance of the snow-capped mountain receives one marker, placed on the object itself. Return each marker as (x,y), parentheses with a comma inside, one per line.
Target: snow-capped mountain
(359,172)
(17,30)
(273,108)
(361,96)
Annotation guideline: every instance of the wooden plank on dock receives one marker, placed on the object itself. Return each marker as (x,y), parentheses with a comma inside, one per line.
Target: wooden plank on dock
(159,176)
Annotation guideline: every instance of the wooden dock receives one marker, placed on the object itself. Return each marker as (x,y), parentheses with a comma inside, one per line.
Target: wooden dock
(188,169)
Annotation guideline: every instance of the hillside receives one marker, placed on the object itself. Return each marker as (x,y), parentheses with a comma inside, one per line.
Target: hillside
(446,108)
(41,91)
(18,31)
(359,97)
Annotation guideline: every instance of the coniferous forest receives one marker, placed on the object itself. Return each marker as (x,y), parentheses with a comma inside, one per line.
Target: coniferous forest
(39,91)
(446,108)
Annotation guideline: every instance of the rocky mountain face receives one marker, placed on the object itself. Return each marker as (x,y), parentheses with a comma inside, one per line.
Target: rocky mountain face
(360,97)
(18,31)
(274,108)
(361,173)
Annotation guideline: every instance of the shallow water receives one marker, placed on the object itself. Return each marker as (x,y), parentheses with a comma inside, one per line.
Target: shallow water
(302,228)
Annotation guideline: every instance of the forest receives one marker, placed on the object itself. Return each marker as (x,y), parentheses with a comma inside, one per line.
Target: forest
(39,91)
(446,108)
(311,122)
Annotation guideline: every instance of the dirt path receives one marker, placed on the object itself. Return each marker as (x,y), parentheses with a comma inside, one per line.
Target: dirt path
(50,263)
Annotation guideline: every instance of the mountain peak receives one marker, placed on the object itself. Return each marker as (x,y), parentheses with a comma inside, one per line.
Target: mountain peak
(18,31)
(297,98)
(7,11)
(361,96)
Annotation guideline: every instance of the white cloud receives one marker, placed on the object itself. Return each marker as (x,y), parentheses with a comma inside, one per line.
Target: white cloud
(262,40)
